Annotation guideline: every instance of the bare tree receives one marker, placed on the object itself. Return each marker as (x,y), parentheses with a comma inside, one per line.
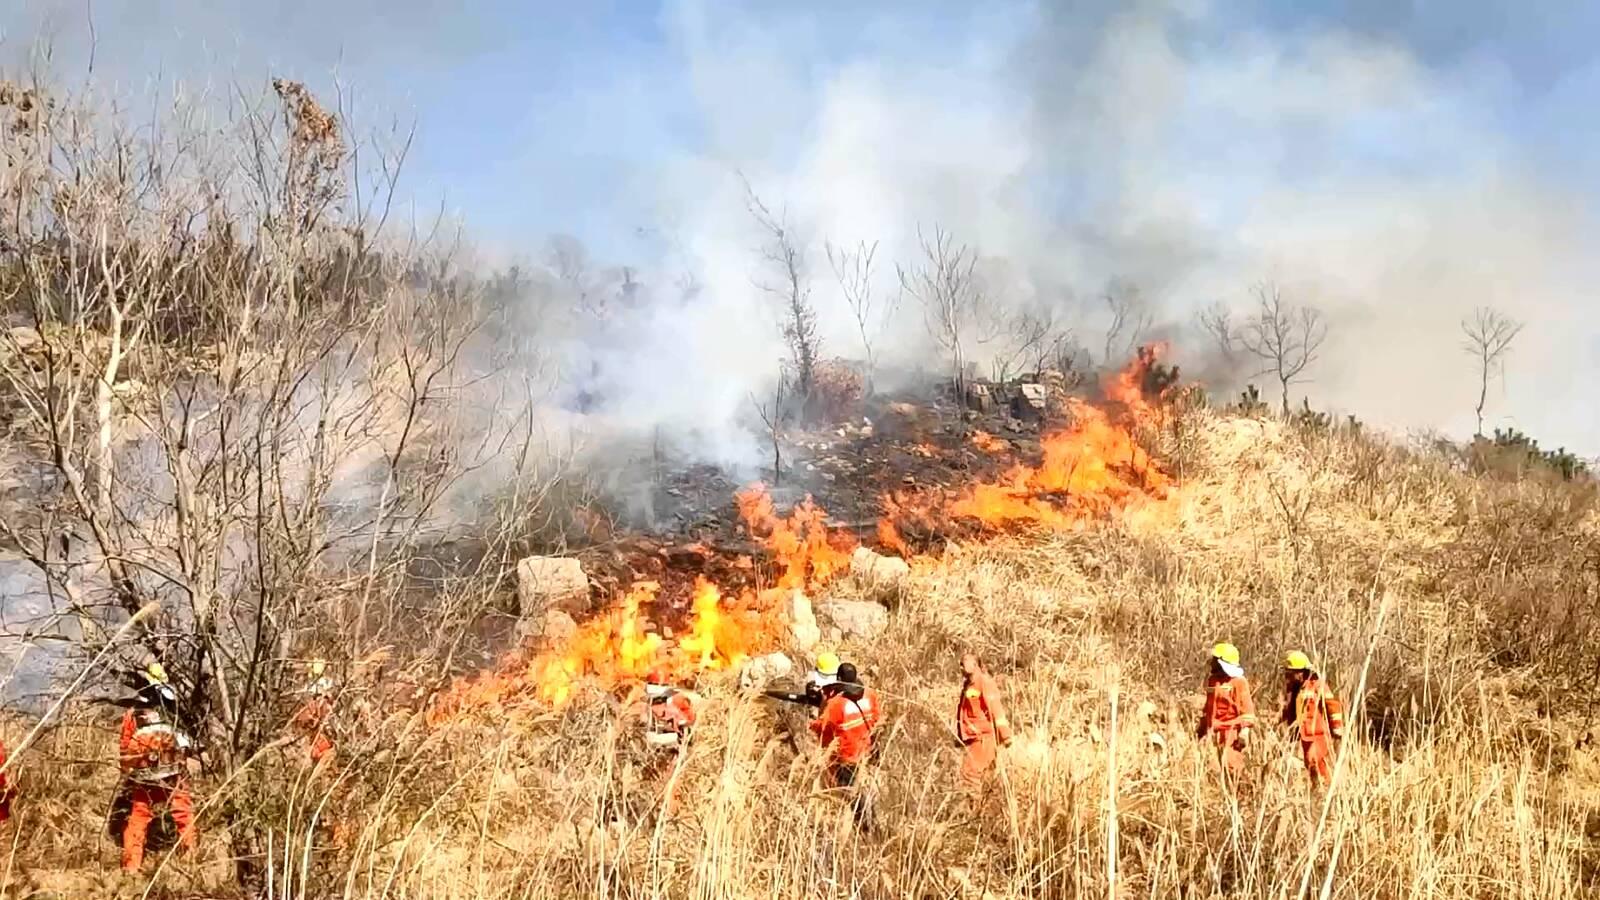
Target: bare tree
(1129,321)
(1217,321)
(1030,337)
(952,298)
(1489,334)
(774,416)
(1283,337)
(240,404)
(853,269)
(785,257)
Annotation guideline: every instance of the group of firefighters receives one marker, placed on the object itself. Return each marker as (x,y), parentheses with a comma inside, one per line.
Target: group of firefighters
(156,756)
(1311,711)
(849,714)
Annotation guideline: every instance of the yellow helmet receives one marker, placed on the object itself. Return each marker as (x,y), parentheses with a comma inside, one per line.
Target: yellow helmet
(318,666)
(1296,661)
(1226,652)
(155,673)
(828,663)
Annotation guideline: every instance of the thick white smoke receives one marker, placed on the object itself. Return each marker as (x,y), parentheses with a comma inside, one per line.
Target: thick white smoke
(1396,165)
(1146,145)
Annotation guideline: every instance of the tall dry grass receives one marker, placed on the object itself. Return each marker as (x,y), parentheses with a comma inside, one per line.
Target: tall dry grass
(1463,777)
(1457,612)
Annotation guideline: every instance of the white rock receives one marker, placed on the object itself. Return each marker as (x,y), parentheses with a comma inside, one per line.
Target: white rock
(763,670)
(877,572)
(553,627)
(544,582)
(856,619)
(803,622)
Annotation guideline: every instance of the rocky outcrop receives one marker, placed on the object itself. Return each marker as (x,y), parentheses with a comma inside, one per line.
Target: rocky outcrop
(803,626)
(550,582)
(764,670)
(879,574)
(859,620)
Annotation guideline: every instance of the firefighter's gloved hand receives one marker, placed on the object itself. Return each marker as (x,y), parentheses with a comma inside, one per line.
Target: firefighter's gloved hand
(1239,744)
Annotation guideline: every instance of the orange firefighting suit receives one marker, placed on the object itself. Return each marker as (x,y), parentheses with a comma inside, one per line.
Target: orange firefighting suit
(152,761)
(1318,718)
(311,720)
(6,792)
(668,720)
(845,727)
(982,726)
(672,715)
(1229,712)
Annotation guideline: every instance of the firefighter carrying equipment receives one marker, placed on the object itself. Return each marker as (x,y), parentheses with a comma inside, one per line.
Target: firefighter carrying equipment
(842,726)
(669,714)
(1228,716)
(153,756)
(871,704)
(1317,717)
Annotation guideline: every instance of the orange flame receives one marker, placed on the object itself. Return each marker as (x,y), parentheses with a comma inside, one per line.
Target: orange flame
(622,645)
(809,552)
(1090,469)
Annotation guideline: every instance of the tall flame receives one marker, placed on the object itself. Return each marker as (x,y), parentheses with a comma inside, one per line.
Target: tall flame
(809,553)
(622,645)
(1092,468)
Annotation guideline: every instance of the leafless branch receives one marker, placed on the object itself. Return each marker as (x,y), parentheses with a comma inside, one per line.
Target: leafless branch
(1489,334)
(952,297)
(854,269)
(784,256)
(1286,339)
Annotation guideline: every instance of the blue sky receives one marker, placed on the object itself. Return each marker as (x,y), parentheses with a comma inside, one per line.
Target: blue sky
(530,111)
(1397,162)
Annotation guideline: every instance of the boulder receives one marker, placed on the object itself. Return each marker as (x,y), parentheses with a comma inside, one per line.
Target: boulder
(856,619)
(550,582)
(553,627)
(979,398)
(878,573)
(803,622)
(764,670)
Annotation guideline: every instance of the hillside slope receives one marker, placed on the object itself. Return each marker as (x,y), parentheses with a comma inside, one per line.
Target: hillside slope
(1453,611)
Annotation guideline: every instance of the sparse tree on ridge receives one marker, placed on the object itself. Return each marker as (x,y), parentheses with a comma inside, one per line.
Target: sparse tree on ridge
(853,269)
(785,257)
(1489,334)
(1285,339)
(952,297)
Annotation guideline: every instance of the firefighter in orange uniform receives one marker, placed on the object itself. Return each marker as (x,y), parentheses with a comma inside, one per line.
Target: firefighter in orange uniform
(1314,713)
(1229,713)
(871,704)
(313,718)
(154,756)
(981,722)
(669,718)
(7,792)
(843,729)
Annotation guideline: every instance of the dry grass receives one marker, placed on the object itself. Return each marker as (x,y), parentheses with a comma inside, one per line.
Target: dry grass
(1459,613)
(1469,780)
